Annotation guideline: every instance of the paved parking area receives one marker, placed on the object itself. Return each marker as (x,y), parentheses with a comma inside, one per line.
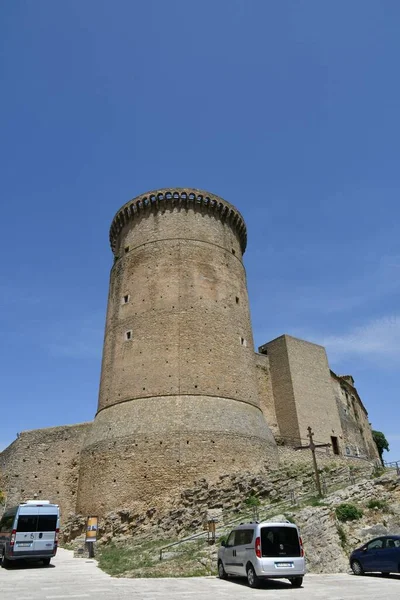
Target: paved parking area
(69,578)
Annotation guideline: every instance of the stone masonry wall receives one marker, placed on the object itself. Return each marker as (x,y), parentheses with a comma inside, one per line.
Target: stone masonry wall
(303,390)
(282,386)
(265,392)
(178,393)
(357,435)
(44,463)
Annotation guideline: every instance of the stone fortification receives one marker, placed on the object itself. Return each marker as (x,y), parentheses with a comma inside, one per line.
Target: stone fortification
(297,390)
(183,395)
(178,394)
(44,463)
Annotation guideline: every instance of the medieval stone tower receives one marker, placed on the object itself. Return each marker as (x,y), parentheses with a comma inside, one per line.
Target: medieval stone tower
(178,394)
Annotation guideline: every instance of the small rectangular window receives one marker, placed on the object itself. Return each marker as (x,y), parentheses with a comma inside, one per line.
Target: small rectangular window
(125,299)
(128,335)
(237,300)
(126,249)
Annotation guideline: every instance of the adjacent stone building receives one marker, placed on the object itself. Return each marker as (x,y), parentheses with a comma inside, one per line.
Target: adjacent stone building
(183,395)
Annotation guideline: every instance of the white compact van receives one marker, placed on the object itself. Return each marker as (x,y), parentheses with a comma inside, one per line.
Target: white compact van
(262,551)
(29,531)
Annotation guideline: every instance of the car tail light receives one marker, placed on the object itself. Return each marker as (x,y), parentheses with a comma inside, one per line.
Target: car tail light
(12,540)
(258,547)
(301,547)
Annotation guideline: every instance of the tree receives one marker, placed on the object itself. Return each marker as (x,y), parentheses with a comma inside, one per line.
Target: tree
(381,443)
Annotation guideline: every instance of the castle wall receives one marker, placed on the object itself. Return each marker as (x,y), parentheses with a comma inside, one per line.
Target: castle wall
(302,390)
(357,434)
(282,386)
(44,463)
(267,403)
(178,396)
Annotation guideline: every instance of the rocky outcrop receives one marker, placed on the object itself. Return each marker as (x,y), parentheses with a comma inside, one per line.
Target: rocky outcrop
(328,542)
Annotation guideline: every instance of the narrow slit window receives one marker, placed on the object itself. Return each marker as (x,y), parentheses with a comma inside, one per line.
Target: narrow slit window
(128,335)
(126,249)
(125,299)
(233,251)
(237,299)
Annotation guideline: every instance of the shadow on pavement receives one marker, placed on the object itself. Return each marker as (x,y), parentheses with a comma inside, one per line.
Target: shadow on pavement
(380,576)
(27,564)
(266,584)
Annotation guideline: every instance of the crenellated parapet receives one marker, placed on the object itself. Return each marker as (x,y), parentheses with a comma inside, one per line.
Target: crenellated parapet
(178,198)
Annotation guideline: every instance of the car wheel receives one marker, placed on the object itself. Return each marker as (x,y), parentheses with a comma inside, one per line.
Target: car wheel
(222,574)
(5,563)
(356,567)
(46,561)
(296,581)
(252,578)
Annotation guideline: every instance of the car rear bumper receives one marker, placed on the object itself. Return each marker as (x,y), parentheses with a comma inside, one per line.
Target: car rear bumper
(35,555)
(269,568)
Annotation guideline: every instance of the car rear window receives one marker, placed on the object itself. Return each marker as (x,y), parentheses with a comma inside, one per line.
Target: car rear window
(279,541)
(29,523)
(47,523)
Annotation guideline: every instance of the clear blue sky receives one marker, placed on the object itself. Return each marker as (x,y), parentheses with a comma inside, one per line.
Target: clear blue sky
(288,109)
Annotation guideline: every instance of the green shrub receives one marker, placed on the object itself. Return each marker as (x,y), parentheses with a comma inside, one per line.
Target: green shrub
(348,512)
(377,472)
(379,504)
(252,500)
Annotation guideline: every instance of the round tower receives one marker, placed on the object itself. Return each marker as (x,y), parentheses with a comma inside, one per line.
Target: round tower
(178,393)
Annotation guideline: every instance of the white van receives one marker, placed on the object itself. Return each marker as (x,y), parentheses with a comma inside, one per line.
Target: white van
(29,531)
(262,551)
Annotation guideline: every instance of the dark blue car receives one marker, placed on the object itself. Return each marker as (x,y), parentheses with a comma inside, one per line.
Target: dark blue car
(381,554)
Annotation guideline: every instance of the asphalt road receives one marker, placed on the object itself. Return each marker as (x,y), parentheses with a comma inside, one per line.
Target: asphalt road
(69,578)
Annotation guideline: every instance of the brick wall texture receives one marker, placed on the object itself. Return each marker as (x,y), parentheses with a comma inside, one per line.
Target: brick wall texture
(183,395)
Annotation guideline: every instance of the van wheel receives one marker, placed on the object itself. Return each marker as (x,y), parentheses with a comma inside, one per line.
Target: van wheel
(252,578)
(5,563)
(296,581)
(356,567)
(46,561)
(222,574)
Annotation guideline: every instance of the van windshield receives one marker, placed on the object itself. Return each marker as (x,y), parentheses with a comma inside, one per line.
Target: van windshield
(279,541)
(29,523)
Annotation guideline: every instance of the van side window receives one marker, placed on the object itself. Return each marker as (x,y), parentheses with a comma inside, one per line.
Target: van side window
(27,523)
(243,537)
(231,540)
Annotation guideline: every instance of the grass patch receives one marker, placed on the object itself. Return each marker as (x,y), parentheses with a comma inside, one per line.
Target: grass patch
(189,559)
(378,504)
(314,501)
(348,512)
